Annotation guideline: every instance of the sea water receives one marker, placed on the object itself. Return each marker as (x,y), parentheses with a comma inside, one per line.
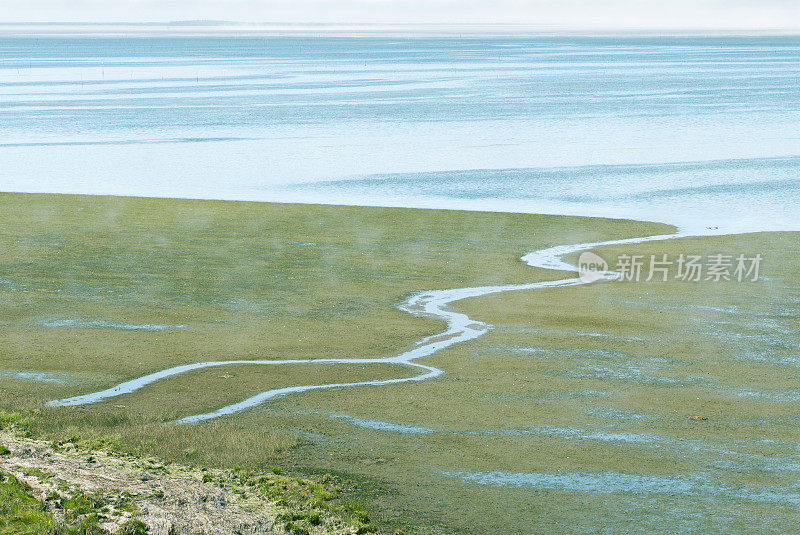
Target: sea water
(699,131)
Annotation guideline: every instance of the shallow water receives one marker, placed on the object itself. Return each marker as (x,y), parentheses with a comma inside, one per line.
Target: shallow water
(696,131)
(611,482)
(380,425)
(44,377)
(94,323)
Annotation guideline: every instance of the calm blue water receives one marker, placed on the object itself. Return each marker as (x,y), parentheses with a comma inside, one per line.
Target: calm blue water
(699,131)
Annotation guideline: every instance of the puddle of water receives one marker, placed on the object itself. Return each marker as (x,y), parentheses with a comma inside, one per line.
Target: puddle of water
(629,373)
(787,396)
(578,353)
(569,433)
(378,425)
(587,334)
(614,482)
(105,324)
(44,377)
(620,414)
(547,396)
(769,358)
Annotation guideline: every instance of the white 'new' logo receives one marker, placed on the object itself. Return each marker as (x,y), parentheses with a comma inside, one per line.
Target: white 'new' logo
(591,267)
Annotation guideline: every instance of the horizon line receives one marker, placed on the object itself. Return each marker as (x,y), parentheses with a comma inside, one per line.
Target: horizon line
(543,26)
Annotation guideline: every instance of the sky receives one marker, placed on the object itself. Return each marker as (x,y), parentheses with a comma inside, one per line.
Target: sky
(645,14)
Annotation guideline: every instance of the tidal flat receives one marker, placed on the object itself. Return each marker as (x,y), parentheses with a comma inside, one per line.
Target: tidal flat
(572,414)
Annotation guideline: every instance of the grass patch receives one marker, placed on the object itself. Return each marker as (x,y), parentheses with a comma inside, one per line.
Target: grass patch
(20,512)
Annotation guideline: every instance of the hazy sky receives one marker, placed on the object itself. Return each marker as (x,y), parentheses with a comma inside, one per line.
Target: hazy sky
(581,13)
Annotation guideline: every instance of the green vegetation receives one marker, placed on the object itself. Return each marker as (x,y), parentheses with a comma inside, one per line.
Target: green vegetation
(590,391)
(309,503)
(20,512)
